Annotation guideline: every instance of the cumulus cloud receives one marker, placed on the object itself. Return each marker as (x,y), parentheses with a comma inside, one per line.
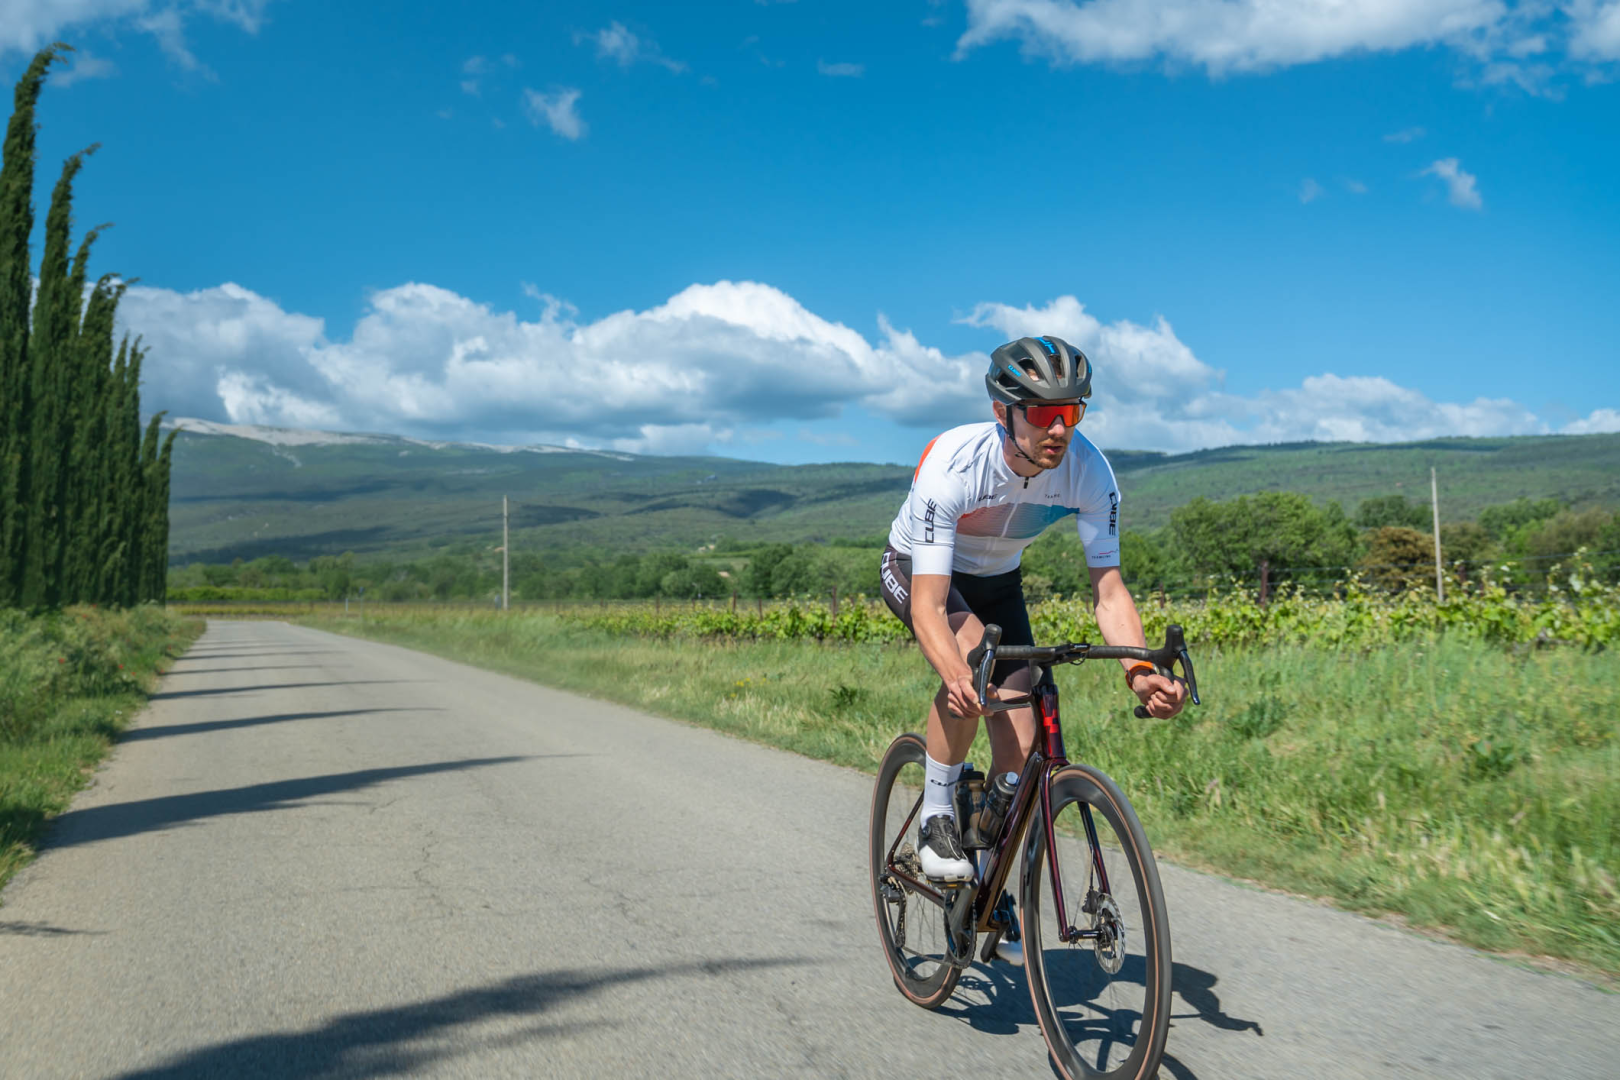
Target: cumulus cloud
(618,43)
(709,367)
(1229,36)
(1596,34)
(1461,186)
(27,25)
(841,71)
(1309,190)
(556,110)
(1405,135)
(84,67)
(1600,422)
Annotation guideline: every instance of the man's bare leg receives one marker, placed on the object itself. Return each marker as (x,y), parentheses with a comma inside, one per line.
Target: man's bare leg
(950,737)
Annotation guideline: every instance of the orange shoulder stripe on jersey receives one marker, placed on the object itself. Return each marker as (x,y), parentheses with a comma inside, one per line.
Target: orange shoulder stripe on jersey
(924,458)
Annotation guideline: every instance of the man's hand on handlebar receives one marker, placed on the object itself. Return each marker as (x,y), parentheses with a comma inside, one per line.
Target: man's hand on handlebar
(961,697)
(1161,695)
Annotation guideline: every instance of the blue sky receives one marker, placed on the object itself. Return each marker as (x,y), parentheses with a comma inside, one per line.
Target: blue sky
(793,231)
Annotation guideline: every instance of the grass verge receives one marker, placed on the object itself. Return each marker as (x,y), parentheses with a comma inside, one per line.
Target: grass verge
(69,682)
(1464,787)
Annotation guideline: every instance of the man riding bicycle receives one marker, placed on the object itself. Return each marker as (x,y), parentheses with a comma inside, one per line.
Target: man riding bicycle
(981,494)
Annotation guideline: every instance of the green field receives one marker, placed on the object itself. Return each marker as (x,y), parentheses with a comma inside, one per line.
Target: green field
(241,498)
(1461,785)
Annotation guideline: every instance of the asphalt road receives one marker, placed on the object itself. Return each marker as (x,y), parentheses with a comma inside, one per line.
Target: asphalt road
(320,857)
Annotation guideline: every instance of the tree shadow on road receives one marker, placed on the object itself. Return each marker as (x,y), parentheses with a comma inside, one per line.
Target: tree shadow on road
(233,670)
(1008,1008)
(167,694)
(163,731)
(254,655)
(373,1043)
(147,815)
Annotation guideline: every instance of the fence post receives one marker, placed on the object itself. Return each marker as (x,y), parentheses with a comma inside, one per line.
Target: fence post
(759,606)
(734,601)
(1265,581)
(835,602)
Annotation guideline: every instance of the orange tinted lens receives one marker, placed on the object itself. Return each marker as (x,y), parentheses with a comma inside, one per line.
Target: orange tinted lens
(1044,415)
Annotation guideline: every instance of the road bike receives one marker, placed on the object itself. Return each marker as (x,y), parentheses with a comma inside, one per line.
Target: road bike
(1094,928)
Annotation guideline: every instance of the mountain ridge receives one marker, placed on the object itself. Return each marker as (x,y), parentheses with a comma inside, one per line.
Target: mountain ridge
(240,491)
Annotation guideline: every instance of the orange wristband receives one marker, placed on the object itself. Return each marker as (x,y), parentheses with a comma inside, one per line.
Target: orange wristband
(1133,669)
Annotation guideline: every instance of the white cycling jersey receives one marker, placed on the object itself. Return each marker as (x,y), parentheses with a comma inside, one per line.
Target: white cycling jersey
(968,511)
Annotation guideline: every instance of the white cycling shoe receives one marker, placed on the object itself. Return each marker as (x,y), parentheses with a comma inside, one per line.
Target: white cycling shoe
(941,851)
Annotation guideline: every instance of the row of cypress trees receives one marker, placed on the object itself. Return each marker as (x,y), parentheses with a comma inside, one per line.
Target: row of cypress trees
(84,493)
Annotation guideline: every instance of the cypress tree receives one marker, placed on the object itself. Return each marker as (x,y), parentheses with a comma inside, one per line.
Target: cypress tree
(141,516)
(155,537)
(50,355)
(16,292)
(115,481)
(92,378)
(131,496)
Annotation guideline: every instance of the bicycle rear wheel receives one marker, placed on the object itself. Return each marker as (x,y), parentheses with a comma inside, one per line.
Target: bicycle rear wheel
(910,925)
(1103,1003)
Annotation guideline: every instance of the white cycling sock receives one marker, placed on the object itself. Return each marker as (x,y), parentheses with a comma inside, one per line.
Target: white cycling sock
(939,789)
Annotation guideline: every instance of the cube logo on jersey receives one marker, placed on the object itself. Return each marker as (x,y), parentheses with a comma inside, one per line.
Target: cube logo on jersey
(1113,514)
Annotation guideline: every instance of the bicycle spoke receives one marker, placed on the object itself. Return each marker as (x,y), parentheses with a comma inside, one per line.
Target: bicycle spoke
(1100,994)
(911,924)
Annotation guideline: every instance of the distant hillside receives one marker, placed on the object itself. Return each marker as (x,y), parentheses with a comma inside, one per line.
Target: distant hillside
(245,492)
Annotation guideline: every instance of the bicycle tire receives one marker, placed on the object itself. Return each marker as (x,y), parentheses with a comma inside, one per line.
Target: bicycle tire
(924,975)
(1141,1042)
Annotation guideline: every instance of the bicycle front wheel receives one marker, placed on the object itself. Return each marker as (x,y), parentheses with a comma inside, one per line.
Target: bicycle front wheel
(910,925)
(1103,1000)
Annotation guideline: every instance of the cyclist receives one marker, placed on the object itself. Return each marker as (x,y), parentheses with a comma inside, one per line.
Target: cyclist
(980,495)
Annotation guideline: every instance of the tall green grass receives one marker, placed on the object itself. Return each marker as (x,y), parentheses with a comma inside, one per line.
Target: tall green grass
(69,682)
(1461,785)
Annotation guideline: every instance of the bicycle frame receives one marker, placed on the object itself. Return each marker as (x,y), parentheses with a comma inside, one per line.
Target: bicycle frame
(1046,757)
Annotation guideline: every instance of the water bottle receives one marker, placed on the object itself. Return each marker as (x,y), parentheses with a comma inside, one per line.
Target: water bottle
(996,804)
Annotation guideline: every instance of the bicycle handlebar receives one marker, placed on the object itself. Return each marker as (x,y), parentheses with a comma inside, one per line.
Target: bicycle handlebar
(989,650)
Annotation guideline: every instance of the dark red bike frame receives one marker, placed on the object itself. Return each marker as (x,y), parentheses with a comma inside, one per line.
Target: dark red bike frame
(1045,759)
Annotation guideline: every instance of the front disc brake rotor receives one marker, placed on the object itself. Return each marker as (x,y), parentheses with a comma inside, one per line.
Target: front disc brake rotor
(1110,939)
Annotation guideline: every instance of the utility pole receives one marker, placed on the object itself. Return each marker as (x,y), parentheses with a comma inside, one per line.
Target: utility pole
(506,556)
(1434,501)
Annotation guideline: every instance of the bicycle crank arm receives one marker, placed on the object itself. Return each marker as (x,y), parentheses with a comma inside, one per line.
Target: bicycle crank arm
(960,932)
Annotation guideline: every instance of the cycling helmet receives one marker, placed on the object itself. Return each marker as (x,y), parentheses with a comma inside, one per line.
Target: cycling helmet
(1038,369)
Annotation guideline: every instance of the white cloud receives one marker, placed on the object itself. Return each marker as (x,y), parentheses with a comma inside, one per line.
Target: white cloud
(618,43)
(712,366)
(1601,421)
(1309,190)
(1406,135)
(845,71)
(1460,186)
(1355,187)
(1596,25)
(557,111)
(1227,36)
(27,25)
(84,67)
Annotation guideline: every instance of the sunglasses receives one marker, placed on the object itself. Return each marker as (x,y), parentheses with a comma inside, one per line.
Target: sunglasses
(1043,416)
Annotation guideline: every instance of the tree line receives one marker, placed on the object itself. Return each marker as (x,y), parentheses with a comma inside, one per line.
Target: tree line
(1282,537)
(84,492)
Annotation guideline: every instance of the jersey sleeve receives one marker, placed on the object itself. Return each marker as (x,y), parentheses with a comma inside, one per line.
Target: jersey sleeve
(939,496)
(1097,517)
